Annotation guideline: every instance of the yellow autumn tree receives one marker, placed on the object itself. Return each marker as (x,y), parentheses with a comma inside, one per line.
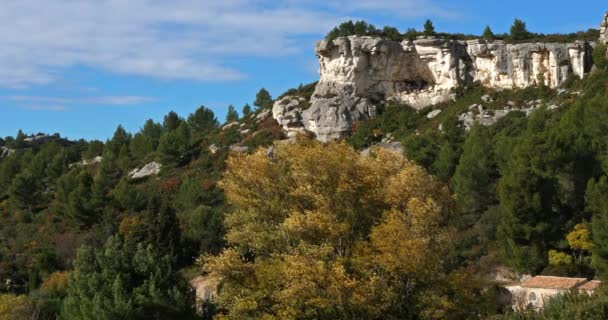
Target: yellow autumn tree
(13,307)
(321,232)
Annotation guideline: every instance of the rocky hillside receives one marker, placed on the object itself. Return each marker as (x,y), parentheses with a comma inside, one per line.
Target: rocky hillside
(358,75)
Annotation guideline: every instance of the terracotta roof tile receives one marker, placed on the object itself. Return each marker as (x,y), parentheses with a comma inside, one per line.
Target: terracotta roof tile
(547,282)
(590,285)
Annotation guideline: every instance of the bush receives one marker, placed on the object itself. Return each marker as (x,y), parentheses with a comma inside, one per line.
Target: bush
(599,56)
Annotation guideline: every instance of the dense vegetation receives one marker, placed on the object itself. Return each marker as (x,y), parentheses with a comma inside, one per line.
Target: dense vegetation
(84,241)
(518,33)
(307,230)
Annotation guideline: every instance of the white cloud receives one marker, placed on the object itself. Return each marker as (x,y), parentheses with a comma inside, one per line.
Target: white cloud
(56,108)
(37,102)
(179,39)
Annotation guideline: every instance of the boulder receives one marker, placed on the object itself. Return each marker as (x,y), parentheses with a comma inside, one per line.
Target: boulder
(5,152)
(87,162)
(239,148)
(152,168)
(433,114)
(263,115)
(230,125)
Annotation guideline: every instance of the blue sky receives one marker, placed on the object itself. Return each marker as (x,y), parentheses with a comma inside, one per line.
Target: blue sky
(81,68)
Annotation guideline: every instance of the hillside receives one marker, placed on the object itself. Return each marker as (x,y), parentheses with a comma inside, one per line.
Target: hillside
(500,165)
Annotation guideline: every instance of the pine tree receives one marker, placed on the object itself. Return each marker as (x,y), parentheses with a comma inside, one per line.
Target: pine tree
(174,147)
(79,201)
(597,204)
(519,31)
(474,176)
(126,282)
(232,115)
(263,100)
(526,199)
(121,138)
(25,191)
(246,110)
(202,121)
(429,28)
(171,121)
(488,35)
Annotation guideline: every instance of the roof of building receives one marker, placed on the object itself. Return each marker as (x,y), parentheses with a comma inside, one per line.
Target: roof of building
(590,285)
(548,282)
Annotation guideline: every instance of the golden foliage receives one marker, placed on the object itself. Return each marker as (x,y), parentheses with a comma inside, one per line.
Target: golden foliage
(128,226)
(318,231)
(557,258)
(13,307)
(56,283)
(580,238)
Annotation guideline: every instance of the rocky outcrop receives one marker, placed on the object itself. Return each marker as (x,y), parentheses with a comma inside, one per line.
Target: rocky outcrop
(87,162)
(152,168)
(5,152)
(604,29)
(41,138)
(288,112)
(359,74)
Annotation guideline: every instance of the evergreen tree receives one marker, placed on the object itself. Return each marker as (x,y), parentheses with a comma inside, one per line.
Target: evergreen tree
(162,230)
(124,160)
(246,110)
(25,191)
(519,31)
(597,204)
(202,121)
(79,201)
(450,149)
(94,149)
(174,147)
(121,138)
(232,115)
(9,168)
(263,100)
(527,196)
(146,141)
(391,33)
(473,181)
(488,35)
(429,28)
(123,282)
(171,121)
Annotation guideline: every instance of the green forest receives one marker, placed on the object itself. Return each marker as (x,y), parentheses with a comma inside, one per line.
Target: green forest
(305,230)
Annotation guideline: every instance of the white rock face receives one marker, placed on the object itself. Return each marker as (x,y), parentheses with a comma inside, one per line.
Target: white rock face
(5,152)
(433,114)
(358,74)
(604,29)
(87,162)
(288,113)
(230,125)
(152,168)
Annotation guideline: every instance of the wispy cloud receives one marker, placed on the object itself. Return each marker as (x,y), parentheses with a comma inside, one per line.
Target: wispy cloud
(180,39)
(42,103)
(53,108)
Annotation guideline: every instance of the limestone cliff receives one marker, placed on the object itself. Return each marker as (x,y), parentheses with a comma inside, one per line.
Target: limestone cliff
(604,29)
(359,73)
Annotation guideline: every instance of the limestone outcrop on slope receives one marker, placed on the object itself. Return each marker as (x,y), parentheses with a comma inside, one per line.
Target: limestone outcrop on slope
(358,74)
